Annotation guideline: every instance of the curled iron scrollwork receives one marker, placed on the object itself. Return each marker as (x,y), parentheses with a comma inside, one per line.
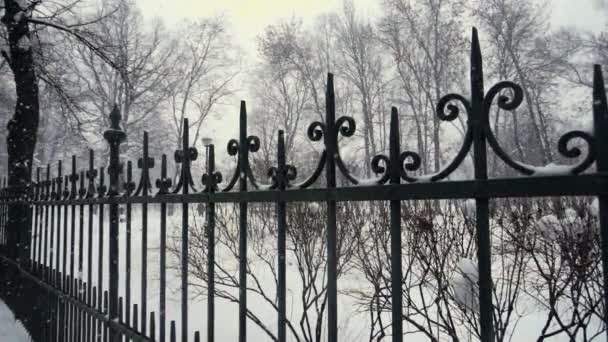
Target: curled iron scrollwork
(448,109)
(513,101)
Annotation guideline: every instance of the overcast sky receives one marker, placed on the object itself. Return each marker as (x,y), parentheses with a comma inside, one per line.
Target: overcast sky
(247,19)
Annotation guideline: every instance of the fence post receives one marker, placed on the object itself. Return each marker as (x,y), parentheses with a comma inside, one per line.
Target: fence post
(479,121)
(114,136)
(281,181)
(395,223)
(600,127)
(210,179)
(163,185)
(243,163)
(331,142)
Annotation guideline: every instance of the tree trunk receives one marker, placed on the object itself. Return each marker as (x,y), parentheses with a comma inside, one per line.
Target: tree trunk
(22,128)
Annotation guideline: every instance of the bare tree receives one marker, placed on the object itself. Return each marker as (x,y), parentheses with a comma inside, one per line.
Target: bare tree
(528,53)
(139,87)
(426,45)
(23,20)
(439,272)
(361,63)
(203,71)
(564,277)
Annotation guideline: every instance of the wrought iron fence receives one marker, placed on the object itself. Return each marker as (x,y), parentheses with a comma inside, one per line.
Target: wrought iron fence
(59,303)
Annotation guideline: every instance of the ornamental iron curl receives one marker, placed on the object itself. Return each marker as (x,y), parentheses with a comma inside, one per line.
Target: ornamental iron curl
(163,183)
(185,156)
(211,179)
(282,174)
(508,96)
(145,163)
(241,149)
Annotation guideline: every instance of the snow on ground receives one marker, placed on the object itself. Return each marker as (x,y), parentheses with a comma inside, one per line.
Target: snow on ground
(10,329)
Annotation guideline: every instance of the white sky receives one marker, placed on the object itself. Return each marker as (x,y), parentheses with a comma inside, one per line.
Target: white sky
(248,18)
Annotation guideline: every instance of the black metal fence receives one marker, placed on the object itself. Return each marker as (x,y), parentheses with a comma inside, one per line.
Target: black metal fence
(46,286)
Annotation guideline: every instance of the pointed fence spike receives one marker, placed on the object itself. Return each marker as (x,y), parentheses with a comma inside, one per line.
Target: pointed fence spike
(476,68)
(329,91)
(115,117)
(394,139)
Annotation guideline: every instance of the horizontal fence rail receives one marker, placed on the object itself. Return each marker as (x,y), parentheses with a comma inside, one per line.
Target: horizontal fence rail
(50,290)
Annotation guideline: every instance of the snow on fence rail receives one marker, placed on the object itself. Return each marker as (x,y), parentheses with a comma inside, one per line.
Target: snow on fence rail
(82,302)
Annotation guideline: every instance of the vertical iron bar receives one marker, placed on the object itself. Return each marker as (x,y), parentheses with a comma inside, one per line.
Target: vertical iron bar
(59,277)
(90,194)
(100,258)
(128,248)
(114,136)
(64,257)
(281,225)
(144,236)
(94,331)
(600,127)
(211,246)
(106,328)
(120,308)
(73,195)
(46,223)
(85,315)
(35,236)
(82,194)
(243,160)
(81,229)
(59,181)
(72,287)
(64,252)
(135,316)
(395,222)
(40,196)
(163,245)
(52,233)
(152,326)
(479,122)
(184,257)
(172,333)
(331,141)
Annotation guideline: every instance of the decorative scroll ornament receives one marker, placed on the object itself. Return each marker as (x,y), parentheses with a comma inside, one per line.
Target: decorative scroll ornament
(211,179)
(59,181)
(91,174)
(282,174)
(145,163)
(185,156)
(163,183)
(241,148)
(507,96)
